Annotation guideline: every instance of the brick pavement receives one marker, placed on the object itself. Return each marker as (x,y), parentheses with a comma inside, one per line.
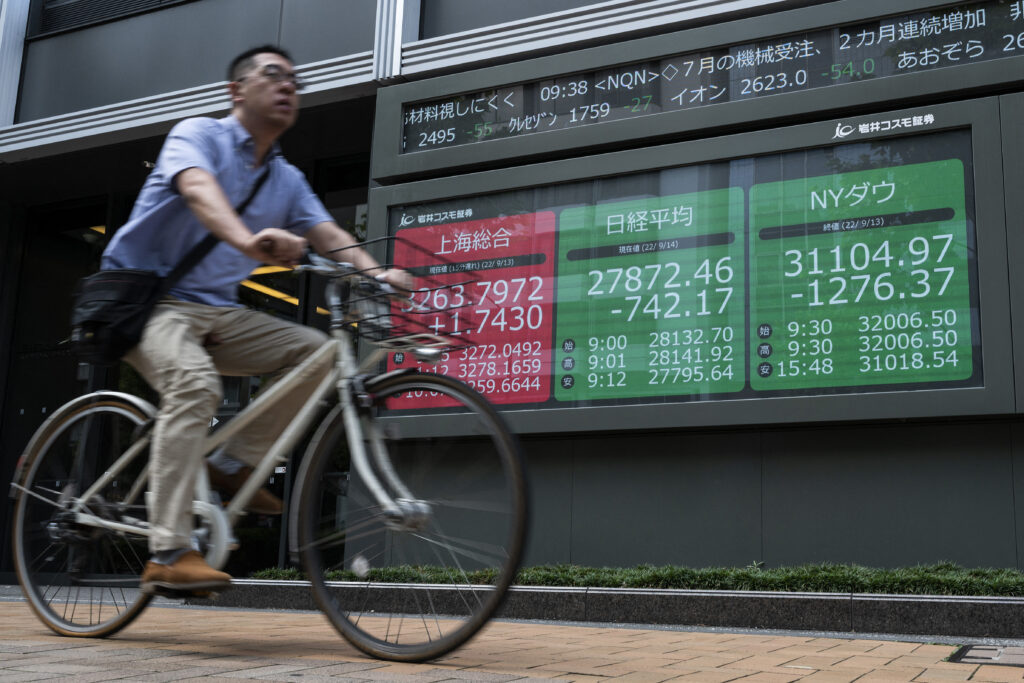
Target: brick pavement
(173,644)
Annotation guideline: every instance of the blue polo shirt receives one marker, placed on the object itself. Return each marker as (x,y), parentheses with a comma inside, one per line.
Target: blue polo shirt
(162,229)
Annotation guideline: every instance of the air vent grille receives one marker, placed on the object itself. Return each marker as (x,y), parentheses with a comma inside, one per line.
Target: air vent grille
(53,16)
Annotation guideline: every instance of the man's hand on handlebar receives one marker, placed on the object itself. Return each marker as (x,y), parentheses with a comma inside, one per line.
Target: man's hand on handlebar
(276,247)
(282,248)
(401,280)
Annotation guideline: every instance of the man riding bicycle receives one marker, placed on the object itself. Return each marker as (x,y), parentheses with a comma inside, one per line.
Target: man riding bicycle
(200,331)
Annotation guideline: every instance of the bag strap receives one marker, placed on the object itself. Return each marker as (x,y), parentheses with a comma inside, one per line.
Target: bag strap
(206,245)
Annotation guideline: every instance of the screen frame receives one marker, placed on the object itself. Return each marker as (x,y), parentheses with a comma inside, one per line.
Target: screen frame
(995,397)
(390,164)
(1012,109)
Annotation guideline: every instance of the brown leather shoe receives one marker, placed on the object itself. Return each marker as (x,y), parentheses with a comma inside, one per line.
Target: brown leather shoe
(263,501)
(189,574)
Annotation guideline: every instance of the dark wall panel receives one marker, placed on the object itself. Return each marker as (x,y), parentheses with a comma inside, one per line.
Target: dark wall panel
(314,30)
(888,496)
(683,499)
(180,47)
(441,17)
(550,475)
(1018,490)
(11,239)
(330,131)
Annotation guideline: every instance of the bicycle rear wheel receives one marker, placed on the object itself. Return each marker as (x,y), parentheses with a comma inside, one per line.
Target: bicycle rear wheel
(81,578)
(415,589)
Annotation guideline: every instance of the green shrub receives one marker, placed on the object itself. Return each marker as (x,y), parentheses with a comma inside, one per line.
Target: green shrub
(938,579)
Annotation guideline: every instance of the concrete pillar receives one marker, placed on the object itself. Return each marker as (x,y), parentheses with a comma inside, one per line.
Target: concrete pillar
(13,23)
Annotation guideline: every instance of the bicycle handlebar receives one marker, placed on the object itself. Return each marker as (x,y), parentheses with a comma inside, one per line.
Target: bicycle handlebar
(363,303)
(315,263)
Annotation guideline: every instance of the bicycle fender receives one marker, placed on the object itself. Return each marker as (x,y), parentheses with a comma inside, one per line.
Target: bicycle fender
(388,375)
(144,406)
(314,442)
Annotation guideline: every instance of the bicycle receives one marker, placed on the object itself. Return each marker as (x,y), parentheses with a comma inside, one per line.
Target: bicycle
(445,515)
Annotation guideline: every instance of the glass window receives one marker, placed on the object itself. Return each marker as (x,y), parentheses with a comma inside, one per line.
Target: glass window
(343,185)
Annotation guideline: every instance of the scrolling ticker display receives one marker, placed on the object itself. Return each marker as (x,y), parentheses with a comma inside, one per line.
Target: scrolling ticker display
(882,48)
(844,269)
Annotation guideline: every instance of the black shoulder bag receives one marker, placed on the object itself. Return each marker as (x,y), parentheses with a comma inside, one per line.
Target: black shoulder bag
(112,306)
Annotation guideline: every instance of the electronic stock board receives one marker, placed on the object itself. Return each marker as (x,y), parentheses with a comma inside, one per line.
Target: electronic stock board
(837,270)
(966,33)
(831,57)
(837,259)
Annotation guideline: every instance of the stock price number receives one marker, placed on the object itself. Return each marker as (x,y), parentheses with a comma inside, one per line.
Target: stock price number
(519,366)
(673,338)
(850,281)
(850,69)
(906,342)
(688,355)
(441,136)
(636,281)
(514,299)
(505,385)
(481,352)
(690,373)
(506,305)
(772,82)
(589,112)
(907,361)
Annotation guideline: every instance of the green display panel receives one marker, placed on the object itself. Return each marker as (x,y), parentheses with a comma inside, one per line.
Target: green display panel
(860,277)
(843,269)
(650,297)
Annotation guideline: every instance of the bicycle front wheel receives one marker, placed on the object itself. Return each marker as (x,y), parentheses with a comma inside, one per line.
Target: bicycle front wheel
(78,573)
(414,587)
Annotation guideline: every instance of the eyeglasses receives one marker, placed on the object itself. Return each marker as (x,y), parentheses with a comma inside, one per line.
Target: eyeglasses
(275,74)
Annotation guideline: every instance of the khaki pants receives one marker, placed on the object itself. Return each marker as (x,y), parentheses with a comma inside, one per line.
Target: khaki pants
(173,359)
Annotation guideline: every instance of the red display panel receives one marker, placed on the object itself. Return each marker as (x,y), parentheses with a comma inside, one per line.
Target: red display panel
(499,274)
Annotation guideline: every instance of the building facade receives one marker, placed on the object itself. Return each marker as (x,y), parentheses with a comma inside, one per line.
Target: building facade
(748,279)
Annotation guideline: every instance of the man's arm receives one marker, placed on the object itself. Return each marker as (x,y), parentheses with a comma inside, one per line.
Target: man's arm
(205,198)
(328,235)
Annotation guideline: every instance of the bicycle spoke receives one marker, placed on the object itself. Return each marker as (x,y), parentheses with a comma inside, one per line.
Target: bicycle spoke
(75,569)
(468,519)
(464,550)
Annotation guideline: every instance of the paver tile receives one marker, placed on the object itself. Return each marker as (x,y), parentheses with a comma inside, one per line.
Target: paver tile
(758,662)
(862,662)
(647,677)
(17,676)
(816,661)
(713,676)
(987,672)
(224,645)
(832,677)
(937,651)
(944,675)
(888,676)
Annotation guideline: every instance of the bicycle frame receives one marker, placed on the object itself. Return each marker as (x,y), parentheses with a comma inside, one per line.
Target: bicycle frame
(344,372)
(80,523)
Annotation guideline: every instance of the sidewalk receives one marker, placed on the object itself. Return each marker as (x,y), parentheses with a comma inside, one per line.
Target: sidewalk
(173,643)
